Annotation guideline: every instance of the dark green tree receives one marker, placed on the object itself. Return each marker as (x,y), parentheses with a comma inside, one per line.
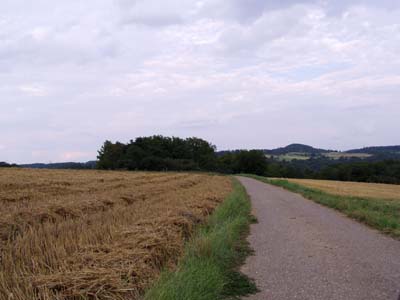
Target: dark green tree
(252,162)
(110,156)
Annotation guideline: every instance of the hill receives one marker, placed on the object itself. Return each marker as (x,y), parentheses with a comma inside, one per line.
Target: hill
(306,152)
(302,151)
(296,148)
(379,153)
(377,150)
(63,165)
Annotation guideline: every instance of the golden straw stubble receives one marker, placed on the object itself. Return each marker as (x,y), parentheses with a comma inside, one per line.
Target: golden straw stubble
(96,234)
(355,189)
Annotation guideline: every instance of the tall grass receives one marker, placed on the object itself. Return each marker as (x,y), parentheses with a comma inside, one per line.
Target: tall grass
(380,214)
(209,268)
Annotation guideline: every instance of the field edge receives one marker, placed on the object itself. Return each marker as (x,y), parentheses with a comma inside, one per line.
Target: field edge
(383,215)
(210,266)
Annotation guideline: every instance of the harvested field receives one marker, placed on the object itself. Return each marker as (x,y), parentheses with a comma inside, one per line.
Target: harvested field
(355,189)
(338,155)
(96,234)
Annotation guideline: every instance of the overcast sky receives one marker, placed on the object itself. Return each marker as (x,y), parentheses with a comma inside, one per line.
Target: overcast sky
(239,73)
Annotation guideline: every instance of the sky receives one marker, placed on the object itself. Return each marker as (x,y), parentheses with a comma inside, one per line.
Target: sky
(240,74)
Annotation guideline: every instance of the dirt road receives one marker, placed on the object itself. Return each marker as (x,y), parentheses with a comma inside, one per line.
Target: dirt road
(307,251)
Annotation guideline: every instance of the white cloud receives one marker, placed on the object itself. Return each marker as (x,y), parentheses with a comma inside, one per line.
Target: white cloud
(40,33)
(34,90)
(74,155)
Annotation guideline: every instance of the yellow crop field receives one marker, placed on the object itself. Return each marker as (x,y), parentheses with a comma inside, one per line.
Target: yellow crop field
(356,189)
(96,234)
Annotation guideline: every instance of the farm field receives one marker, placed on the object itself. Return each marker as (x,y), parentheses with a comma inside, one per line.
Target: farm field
(96,234)
(338,155)
(355,189)
(306,156)
(294,156)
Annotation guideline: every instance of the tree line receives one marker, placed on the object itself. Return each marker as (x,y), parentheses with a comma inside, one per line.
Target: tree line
(160,153)
(385,171)
(6,165)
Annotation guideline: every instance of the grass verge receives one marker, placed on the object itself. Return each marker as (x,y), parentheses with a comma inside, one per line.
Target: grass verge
(380,214)
(209,268)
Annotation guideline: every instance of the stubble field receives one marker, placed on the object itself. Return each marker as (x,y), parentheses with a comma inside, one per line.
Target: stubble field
(94,234)
(353,189)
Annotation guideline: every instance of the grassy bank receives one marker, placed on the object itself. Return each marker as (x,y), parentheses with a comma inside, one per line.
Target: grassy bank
(209,269)
(380,214)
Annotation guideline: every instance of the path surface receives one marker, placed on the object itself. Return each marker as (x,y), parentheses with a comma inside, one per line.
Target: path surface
(307,251)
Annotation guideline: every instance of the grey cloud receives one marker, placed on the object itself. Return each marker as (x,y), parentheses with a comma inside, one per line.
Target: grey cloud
(73,74)
(250,10)
(267,28)
(154,13)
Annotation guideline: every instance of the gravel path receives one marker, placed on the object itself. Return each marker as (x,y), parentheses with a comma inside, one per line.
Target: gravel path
(307,251)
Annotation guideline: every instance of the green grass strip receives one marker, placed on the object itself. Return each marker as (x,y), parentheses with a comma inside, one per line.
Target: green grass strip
(209,268)
(380,214)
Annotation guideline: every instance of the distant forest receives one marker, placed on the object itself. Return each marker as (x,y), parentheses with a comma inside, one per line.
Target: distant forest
(6,165)
(386,171)
(159,153)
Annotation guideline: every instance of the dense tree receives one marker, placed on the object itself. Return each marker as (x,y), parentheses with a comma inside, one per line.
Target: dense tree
(225,162)
(158,153)
(252,162)
(387,171)
(111,156)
